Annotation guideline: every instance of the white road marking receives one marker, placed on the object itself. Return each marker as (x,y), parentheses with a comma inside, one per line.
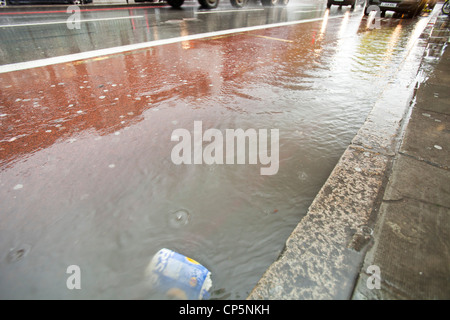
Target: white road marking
(300,11)
(301,5)
(114,50)
(65,21)
(224,11)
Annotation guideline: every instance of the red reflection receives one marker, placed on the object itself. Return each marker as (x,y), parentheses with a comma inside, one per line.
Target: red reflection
(43,105)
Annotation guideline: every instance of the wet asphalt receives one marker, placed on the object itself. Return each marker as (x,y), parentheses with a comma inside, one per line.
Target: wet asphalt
(86,175)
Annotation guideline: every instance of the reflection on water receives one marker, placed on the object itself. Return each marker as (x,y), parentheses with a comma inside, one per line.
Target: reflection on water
(86,175)
(132,26)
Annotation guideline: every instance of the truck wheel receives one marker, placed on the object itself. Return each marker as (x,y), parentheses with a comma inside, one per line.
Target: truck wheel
(175,3)
(209,4)
(269,3)
(238,3)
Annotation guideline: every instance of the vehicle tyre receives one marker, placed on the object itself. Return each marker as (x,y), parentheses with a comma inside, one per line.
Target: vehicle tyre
(209,4)
(329,5)
(269,3)
(3,3)
(383,14)
(283,2)
(421,7)
(238,3)
(175,3)
(353,6)
(416,12)
(446,7)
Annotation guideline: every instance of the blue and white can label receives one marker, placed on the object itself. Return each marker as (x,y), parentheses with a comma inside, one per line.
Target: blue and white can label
(179,277)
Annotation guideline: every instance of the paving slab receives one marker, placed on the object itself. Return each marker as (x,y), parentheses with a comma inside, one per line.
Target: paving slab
(412,252)
(434,97)
(427,137)
(441,75)
(418,180)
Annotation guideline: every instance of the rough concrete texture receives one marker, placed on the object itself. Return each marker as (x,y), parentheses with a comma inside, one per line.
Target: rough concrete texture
(419,180)
(325,256)
(427,135)
(381,127)
(437,101)
(412,235)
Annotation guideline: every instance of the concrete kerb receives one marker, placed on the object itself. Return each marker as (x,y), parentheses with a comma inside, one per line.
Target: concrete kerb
(324,255)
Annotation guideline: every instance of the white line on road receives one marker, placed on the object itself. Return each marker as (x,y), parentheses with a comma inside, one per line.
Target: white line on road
(114,50)
(224,11)
(302,5)
(65,21)
(308,11)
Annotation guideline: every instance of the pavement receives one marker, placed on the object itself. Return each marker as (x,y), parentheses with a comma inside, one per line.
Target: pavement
(380,226)
(412,236)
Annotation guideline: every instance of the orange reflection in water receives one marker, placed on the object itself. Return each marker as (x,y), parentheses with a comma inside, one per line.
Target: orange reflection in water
(43,105)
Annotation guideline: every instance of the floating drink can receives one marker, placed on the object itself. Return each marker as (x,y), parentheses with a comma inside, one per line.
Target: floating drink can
(178,277)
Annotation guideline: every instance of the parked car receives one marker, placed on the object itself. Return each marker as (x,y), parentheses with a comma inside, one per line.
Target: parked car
(341,3)
(409,7)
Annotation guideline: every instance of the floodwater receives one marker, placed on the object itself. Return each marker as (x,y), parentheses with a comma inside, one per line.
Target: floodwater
(87,177)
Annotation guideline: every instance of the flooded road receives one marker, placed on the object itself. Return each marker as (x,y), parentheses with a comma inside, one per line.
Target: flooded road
(87,176)
(39,34)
